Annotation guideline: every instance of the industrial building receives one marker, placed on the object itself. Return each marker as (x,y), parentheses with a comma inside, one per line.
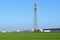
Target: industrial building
(52,30)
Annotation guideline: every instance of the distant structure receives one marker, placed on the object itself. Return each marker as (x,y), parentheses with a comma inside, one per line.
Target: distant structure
(17,30)
(35,18)
(3,31)
(52,30)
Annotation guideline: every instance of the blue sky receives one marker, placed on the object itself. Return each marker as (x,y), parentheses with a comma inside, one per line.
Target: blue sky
(19,14)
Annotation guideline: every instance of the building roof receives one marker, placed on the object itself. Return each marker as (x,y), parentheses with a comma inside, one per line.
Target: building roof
(52,29)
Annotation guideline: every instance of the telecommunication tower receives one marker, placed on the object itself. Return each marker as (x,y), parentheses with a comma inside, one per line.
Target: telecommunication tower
(35,18)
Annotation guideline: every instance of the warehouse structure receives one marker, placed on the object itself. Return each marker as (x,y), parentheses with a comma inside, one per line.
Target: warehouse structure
(52,30)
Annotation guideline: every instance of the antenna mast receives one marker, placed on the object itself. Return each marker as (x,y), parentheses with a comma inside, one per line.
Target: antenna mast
(35,18)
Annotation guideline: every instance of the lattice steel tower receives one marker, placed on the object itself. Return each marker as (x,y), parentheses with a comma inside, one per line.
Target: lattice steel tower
(35,17)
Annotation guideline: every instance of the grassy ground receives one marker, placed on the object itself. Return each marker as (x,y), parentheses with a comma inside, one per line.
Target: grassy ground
(29,36)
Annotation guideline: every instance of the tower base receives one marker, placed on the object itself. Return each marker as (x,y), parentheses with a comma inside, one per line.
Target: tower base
(37,30)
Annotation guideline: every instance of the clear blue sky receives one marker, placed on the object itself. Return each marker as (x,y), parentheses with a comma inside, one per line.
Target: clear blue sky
(19,14)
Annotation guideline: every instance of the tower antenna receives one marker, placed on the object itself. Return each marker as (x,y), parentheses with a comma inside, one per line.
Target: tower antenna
(35,18)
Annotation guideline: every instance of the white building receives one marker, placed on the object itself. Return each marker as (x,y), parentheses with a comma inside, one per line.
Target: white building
(41,30)
(47,30)
(32,30)
(17,30)
(3,31)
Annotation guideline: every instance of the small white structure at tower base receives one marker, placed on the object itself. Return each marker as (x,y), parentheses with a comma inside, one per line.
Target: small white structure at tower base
(17,30)
(32,30)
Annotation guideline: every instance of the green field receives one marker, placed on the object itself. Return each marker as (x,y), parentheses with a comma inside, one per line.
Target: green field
(29,36)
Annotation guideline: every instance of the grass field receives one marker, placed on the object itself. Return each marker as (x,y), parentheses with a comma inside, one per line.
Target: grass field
(29,36)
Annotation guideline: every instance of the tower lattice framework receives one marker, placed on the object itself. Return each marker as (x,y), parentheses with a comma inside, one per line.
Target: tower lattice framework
(35,18)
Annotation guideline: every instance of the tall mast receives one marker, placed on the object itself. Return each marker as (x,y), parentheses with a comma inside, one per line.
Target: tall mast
(35,16)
